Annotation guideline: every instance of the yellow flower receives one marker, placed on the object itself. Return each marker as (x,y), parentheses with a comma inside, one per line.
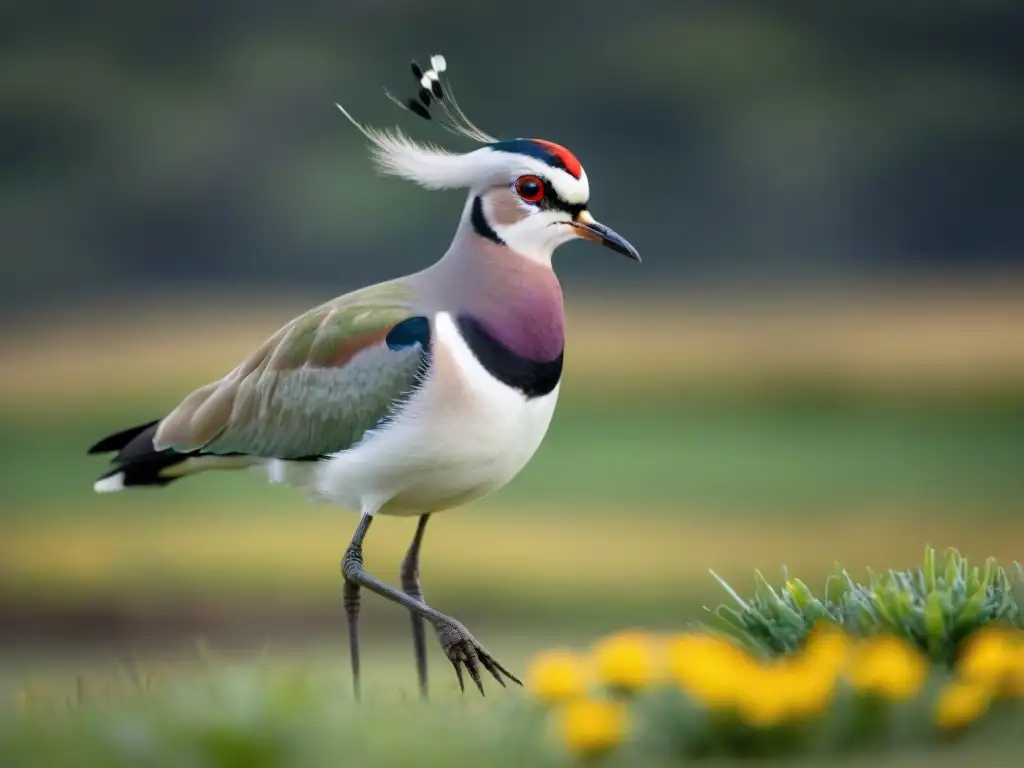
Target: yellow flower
(764,698)
(809,689)
(962,702)
(721,676)
(827,649)
(710,670)
(992,655)
(557,675)
(592,726)
(803,685)
(626,660)
(888,667)
(785,691)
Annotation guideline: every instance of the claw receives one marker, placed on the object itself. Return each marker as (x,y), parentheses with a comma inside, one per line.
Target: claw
(458,672)
(507,674)
(489,665)
(474,670)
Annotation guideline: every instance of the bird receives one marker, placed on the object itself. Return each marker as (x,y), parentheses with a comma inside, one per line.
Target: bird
(415,395)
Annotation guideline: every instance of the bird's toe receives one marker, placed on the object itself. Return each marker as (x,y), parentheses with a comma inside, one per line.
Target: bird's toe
(462,649)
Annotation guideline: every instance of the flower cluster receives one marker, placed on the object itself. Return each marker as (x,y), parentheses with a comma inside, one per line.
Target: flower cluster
(716,696)
(990,668)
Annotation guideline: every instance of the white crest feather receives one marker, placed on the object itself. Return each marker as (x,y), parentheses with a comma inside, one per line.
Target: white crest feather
(430,166)
(396,154)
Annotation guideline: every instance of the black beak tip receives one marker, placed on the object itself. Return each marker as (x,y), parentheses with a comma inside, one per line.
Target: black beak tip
(609,238)
(619,244)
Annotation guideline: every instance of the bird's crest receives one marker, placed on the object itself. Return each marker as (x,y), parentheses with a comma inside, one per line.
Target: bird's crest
(433,167)
(435,91)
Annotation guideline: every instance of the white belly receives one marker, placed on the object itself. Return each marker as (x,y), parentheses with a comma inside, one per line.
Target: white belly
(461,436)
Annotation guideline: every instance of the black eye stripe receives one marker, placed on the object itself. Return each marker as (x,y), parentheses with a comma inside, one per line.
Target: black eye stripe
(551,201)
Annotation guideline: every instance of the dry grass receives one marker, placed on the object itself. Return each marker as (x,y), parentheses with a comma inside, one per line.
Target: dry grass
(486,547)
(935,341)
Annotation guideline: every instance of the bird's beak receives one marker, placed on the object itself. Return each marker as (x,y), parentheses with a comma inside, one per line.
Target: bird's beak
(589,229)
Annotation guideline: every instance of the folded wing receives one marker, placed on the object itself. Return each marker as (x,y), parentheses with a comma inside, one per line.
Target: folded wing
(315,387)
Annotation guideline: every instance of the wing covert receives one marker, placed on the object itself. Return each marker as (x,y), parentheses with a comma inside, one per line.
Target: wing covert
(314,387)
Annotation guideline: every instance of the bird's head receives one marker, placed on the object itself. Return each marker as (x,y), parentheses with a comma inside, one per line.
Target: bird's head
(529,194)
(534,197)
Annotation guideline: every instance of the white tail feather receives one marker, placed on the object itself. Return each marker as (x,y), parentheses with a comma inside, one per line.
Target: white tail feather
(111,484)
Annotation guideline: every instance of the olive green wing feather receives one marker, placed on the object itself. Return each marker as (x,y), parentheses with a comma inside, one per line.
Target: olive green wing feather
(315,387)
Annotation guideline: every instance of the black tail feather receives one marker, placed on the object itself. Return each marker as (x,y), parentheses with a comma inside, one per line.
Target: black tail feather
(119,440)
(150,470)
(137,461)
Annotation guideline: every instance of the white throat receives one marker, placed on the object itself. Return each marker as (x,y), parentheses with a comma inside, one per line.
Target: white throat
(533,236)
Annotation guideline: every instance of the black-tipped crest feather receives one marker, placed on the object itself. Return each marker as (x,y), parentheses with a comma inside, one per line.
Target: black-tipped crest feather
(435,89)
(429,165)
(419,109)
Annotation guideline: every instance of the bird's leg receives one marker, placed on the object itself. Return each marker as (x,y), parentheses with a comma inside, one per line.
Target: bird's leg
(350,599)
(459,645)
(411,586)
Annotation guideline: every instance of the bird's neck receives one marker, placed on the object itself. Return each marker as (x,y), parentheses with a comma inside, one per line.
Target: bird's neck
(517,300)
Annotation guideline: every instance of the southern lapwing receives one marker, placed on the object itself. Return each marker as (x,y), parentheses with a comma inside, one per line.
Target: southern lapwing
(415,395)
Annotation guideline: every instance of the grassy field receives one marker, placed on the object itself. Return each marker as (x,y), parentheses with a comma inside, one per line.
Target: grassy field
(621,512)
(724,404)
(765,435)
(285,711)
(911,342)
(735,438)
(694,452)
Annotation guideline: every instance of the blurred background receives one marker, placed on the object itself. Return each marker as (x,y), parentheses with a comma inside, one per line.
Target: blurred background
(821,358)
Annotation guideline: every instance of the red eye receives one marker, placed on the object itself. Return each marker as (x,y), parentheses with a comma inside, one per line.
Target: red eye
(530,188)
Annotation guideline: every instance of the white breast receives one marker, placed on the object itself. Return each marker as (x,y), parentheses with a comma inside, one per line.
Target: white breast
(462,435)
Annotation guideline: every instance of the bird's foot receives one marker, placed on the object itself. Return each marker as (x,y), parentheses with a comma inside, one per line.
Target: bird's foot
(462,648)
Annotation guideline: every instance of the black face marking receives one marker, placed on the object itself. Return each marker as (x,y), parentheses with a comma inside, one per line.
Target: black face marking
(480,224)
(553,202)
(531,377)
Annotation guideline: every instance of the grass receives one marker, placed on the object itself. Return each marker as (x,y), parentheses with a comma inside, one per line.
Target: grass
(791,406)
(698,453)
(660,491)
(282,711)
(933,606)
(226,714)
(487,558)
(909,342)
